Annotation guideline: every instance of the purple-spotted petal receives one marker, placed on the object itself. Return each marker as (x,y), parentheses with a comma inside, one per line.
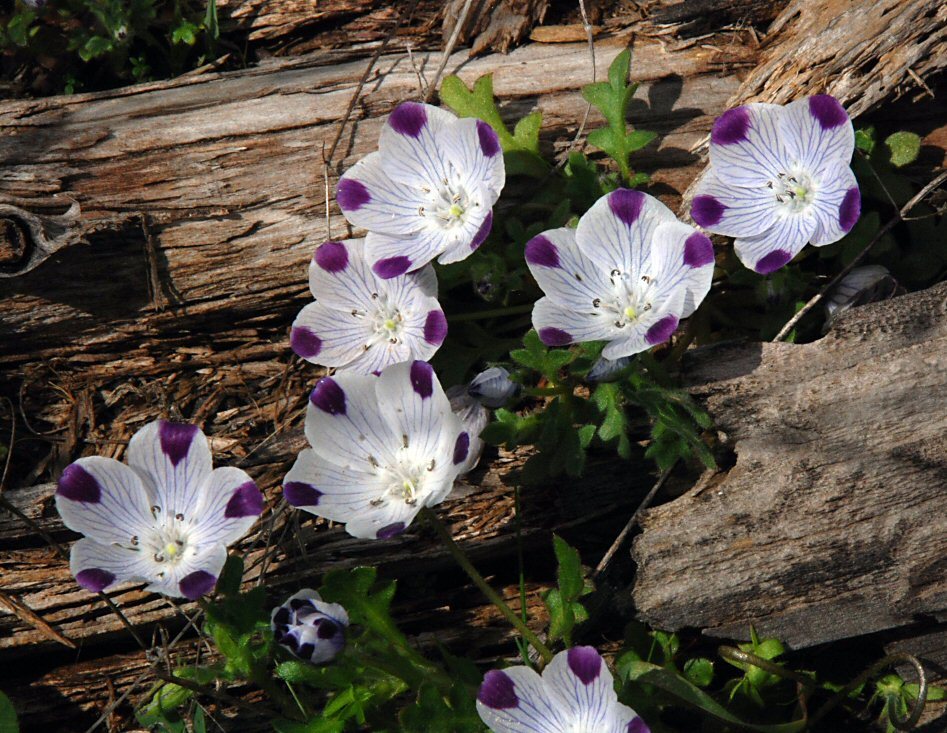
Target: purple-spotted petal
(103,499)
(97,567)
(662,330)
(767,252)
(329,490)
(340,335)
(175,461)
(517,700)
(472,147)
(837,206)
(461,448)
(746,145)
(474,418)
(681,259)
(411,144)
(229,505)
(564,272)
(196,584)
(732,210)
(435,327)
(371,199)
(818,133)
(331,257)
(192,577)
(483,232)
(559,325)
(580,678)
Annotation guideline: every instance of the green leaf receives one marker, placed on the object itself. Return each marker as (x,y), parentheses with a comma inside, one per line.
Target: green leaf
(316,725)
(231,576)
(699,671)
(903,148)
(681,688)
(865,140)
(569,572)
(211,24)
(637,139)
(185,33)
(96,46)
(8,722)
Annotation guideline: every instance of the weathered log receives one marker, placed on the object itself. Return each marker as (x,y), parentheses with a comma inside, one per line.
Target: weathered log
(830,524)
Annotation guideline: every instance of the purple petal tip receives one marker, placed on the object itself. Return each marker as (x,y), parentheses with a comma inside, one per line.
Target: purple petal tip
(489,142)
(422,379)
(498,691)
(304,342)
(555,337)
(247,501)
(706,210)
(626,204)
(773,261)
(827,110)
(196,584)
(540,251)
(79,485)
(328,396)
(332,256)
(435,327)
(176,439)
(850,209)
(585,663)
(298,493)
(637,725)
(662,330)
(461,448)
(698,250)
(731,127)
(390,530)
(352,195)
(94,579)
(408,118)
(483,232)
(391,267)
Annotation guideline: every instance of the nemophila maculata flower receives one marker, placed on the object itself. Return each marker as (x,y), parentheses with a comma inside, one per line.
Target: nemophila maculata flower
(493,387)
(165,519)
(474,416)
(573,695)
(382,449)
(779,178)
(310,628)
(627,275)
(362,322)
(428,191)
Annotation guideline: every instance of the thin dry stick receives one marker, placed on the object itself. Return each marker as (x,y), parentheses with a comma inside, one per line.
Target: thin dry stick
(448,50)
(588,109)
(816,299)
(619,541)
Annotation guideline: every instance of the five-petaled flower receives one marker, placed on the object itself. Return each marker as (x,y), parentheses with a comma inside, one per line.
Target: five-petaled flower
(428,191)
(779,178)
(166,518)
(382,449)
(310,628)
(363,322)
(626,275)
(573,695)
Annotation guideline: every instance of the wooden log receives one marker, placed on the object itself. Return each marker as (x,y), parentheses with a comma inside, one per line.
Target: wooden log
(829,525)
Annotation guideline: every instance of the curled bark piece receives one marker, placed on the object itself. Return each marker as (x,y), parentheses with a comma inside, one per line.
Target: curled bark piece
(29,236)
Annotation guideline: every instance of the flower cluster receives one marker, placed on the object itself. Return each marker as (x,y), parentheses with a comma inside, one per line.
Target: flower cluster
(779,178)
(310,628)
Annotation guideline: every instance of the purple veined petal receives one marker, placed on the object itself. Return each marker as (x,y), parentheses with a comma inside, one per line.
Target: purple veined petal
(196,584)
(342,287)
(461,238)
(517,700)
(493,388)
(483,232)
(340,334)
(616,232)
(384,522)
(630,721)
(837,206)
(579,680)
(472,147)
(682,257)
(746,145)
(194,576)
(99,567)
(230,504)
(554,323)
(411,144)
(326,489)
(394,256)
(103,499)
(641,334)
(565,274)
(435,327)
(175,460)
(474,418)
(818,133)
(735,211)
(369,198)
(769,251)
(344,422)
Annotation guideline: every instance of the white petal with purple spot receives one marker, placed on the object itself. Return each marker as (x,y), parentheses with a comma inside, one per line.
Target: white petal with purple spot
(230,503)
(746,146)
(773,248)
(736,211)
(565,273)
(836,206)
(818,133)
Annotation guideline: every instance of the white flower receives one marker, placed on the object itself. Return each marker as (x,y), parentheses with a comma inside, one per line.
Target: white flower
(382,448)
(779,177)
(474,416)
(427,192)
(493,387)
(362,322)
(310,628)
(165,519)
(626,275)
(573,695)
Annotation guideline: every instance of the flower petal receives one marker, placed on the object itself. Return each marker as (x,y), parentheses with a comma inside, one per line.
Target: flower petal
(98,567)
(651,328)
(837,206)
(392,256)
(517,700)
(682,258)
(330,336)
(580,680)
(175,461)
(230,504)
(340,275)
(616,232)
(382,522)
(735,211)
(767,252)
(473,149)
(371,199)
(193,576)
(103,499)
(817,133)
(559,325)
(465,239)
(746,145)
(565,274)
(412,143)
(474,418)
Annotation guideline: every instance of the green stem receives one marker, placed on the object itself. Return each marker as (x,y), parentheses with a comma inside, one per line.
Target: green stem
(510,310)
(458,554)
(519,558)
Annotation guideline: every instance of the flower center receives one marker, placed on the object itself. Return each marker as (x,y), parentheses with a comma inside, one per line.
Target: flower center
(448,204)
(794,190)
(167,542)
(629,300)
(387,321)
(405,478)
